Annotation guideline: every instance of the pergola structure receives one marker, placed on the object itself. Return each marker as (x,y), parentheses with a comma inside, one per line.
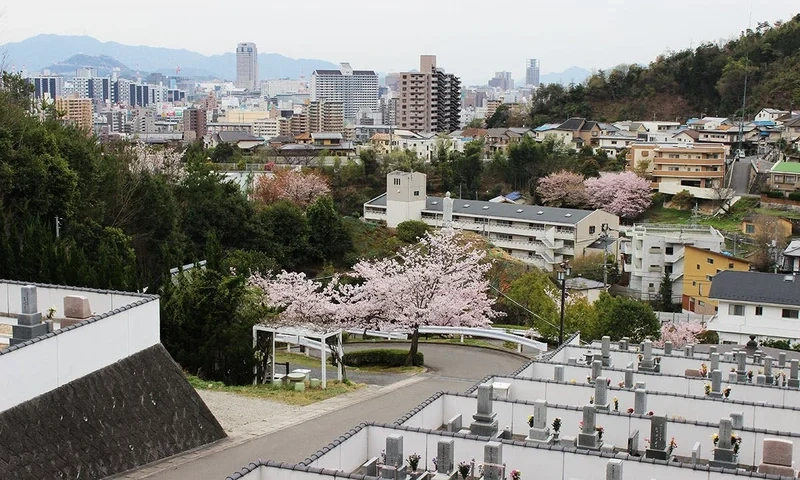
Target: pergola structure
(308,337)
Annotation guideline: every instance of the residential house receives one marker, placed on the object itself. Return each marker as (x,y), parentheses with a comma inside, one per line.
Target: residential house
(515,198)
(770,114)
(700,267)
(686,135)
(651,250)
(591,289)
(707,123)
(754,225)
(615,143)
(579,131)
(785,177)
(698,169)
(791,257)
(791,129)
(243,140)
(542,131)
(541,236)
(766,305)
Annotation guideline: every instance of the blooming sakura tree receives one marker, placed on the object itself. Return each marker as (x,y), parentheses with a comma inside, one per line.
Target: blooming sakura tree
(562,189)
(679,334)
(300,188)
(624,194)
(440,281)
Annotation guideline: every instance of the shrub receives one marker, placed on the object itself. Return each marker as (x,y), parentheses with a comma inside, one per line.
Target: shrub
(775,194)
(411,230)
(795,195)
(382,357)
(683,199)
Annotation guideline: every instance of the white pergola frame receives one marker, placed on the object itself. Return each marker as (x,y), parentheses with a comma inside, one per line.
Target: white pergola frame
(302,335)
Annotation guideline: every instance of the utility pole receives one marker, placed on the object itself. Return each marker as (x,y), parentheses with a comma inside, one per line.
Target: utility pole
(563,273)
(604,237)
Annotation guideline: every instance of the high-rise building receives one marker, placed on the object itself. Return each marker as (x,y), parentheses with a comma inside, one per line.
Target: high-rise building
(356,89)
(325,116)
(76,110)
(502,80)
(532,72)
(194,120)
(247,66)
(429,100)
(47,87)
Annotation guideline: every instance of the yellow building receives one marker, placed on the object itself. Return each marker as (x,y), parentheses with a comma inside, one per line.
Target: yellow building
(759,225)
(699,268)
(76,110)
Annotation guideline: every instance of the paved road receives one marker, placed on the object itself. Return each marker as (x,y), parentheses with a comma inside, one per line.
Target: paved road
(451,368)
(740,180)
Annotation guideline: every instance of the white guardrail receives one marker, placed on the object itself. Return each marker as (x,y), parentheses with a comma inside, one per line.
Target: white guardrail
(493,333)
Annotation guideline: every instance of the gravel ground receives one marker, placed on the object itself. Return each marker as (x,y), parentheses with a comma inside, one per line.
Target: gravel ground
(235,411)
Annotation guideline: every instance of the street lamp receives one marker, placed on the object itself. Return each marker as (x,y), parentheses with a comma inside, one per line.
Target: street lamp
(563,273)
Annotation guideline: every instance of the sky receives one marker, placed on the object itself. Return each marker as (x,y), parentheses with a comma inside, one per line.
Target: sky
(471,38)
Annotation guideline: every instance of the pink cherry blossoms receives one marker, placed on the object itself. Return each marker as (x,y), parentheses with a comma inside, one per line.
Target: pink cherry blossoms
(300,188)
(679,334)
(624,194)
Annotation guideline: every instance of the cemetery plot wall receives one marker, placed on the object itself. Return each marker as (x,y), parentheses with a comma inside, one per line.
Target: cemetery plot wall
(768,417)
(30,370)
(101,301)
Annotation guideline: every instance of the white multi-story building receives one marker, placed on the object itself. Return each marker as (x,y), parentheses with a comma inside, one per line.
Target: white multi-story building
(356,89)
(247,66)
(270,88)
(766,305)
(650,250)
(542,236)
(267,127)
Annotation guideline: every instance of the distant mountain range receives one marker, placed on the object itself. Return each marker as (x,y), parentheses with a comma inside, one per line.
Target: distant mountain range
(46,51)
(103,63)
(570,75)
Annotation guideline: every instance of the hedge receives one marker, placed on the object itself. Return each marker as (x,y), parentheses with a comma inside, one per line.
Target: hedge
(775,194)
(382,357)
(794,195)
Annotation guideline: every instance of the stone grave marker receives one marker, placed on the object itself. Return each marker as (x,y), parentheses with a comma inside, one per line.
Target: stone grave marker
(688,351)
(696,453)
(777,458)
(646,364)
(445,456)
(732,377)
(605,354)
(597,370)
(761,379)
(640,401)
(394,450)
(716,384)
(493,461)
(727,356)
(640,386)
(601,393)
(757,358)
(633,443)
(454,424)
(629,378)
(667,348)
(623,344)
(76,310)
(723,452)
(712,349)
(768,370)
(485,423)
(714,362)
(741,366)
(371,467)
(29,320)
(589,437)
(794,382)
(737,420)
(658,439)
(540,432)
(781,359)
(614,469)
(558,373)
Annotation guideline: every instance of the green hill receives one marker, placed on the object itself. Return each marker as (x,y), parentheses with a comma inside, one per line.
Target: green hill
(707,80)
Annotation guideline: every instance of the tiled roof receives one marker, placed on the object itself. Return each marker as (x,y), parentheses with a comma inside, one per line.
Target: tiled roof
(756,287)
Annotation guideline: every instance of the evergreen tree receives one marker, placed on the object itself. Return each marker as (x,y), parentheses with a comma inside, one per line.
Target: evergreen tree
(665,293)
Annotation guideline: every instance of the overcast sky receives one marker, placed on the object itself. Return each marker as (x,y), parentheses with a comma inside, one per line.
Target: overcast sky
(472,38)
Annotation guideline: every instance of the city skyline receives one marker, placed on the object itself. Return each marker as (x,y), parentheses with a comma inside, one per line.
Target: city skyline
(582,38)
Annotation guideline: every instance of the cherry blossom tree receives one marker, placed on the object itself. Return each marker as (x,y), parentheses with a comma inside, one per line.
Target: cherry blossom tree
(440,281)
(679,334)
(300,188)
(562,189)
(624,194)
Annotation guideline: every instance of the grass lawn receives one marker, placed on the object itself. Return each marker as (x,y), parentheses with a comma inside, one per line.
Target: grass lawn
(729,223)
(277,393)
(301,360)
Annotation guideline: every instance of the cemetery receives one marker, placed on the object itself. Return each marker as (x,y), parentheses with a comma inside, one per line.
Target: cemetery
(604,411)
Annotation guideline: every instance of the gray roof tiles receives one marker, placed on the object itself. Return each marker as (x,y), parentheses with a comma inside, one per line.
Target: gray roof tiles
(756,287)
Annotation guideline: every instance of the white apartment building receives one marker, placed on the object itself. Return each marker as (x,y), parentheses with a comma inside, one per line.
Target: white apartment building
(271,88)
(542,236)
(650,250)
(247,66)
(267,127)
(356,89)
(766,305)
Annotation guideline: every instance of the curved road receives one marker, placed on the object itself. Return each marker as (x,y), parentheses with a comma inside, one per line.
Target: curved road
(452,368)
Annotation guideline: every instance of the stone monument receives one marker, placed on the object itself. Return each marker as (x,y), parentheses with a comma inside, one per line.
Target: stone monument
(540,431)
(589,437)
(447,211)
(29,320)
(493,461)
(605,354)
(777,458)
(485,423)
(647,364)
(724,453)
(659,448)
(445,456)
(601,393)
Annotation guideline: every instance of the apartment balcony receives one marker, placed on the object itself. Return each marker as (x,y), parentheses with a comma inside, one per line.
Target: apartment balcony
(698,192)
(709,162)
(688,174)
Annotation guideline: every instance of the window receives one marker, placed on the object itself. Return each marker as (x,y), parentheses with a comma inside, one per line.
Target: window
(591,229)
(668,250)
(416,193)
(673,169)
(749,228)
(701,303)
(730,265)
(710,260)
(698,266)
(736,310)
(397,181)
(668,269)
(759,310)
(777,178)
(694,284)
(789,178)
(708,278)
(790,313)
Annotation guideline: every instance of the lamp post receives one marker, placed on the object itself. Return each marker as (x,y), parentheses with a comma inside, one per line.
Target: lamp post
(563,273)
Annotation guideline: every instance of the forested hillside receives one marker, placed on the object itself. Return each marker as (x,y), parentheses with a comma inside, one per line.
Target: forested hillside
(707,80)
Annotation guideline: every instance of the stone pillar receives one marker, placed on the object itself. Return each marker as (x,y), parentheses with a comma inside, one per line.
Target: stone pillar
(485,423)
(716,384)
(770,379)
(589,437)
(688,351)
(601,393)
(558,373)
(794,382)
(29,320)
(723,452)
(781,359)
(445,456)
(667,348)
(714,362)
(640,401)
(741,366)
(540,431)
(493,461)
(628,378)
(597,370)
(606,351)
(614,469)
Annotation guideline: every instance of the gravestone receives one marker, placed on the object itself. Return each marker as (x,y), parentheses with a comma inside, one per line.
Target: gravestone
(614,469)
(558,373)
(696,453)
(741,366)
(794,382)
(714,362)
(667,348)
(712,349)
(389,471)
(640,401)
(732,377)
(781,359)
(727,356)
(394,450)
(633,443)
(716,384)
(761,379)
(572,361)
(445,456)
(737,420)
(485,423)
(605,352)
(597,370)
(567,441)
(646,363)
(493,461)
(601,393)
(777,457)
(723,452)
(589,437)
(29,320)
(757,358)
(76,310)
(768,370)
(628,378)
(540,431)
(658,439)
(623,344)
(688,351)
(454,424)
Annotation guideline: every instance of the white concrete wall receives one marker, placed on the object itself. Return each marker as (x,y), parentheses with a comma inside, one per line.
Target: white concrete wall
(557,463)
(701,409)
(770,324)
(676,384)
(48,296)
(618,426)
(56,360)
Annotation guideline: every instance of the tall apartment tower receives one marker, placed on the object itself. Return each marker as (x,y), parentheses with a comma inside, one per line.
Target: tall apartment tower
(532,72)
(355,89)
(429,100)
(77,111)
(247,66)
(194,120)
(324,116)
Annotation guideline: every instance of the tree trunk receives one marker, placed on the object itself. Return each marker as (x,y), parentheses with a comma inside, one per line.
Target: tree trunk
(414,344)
